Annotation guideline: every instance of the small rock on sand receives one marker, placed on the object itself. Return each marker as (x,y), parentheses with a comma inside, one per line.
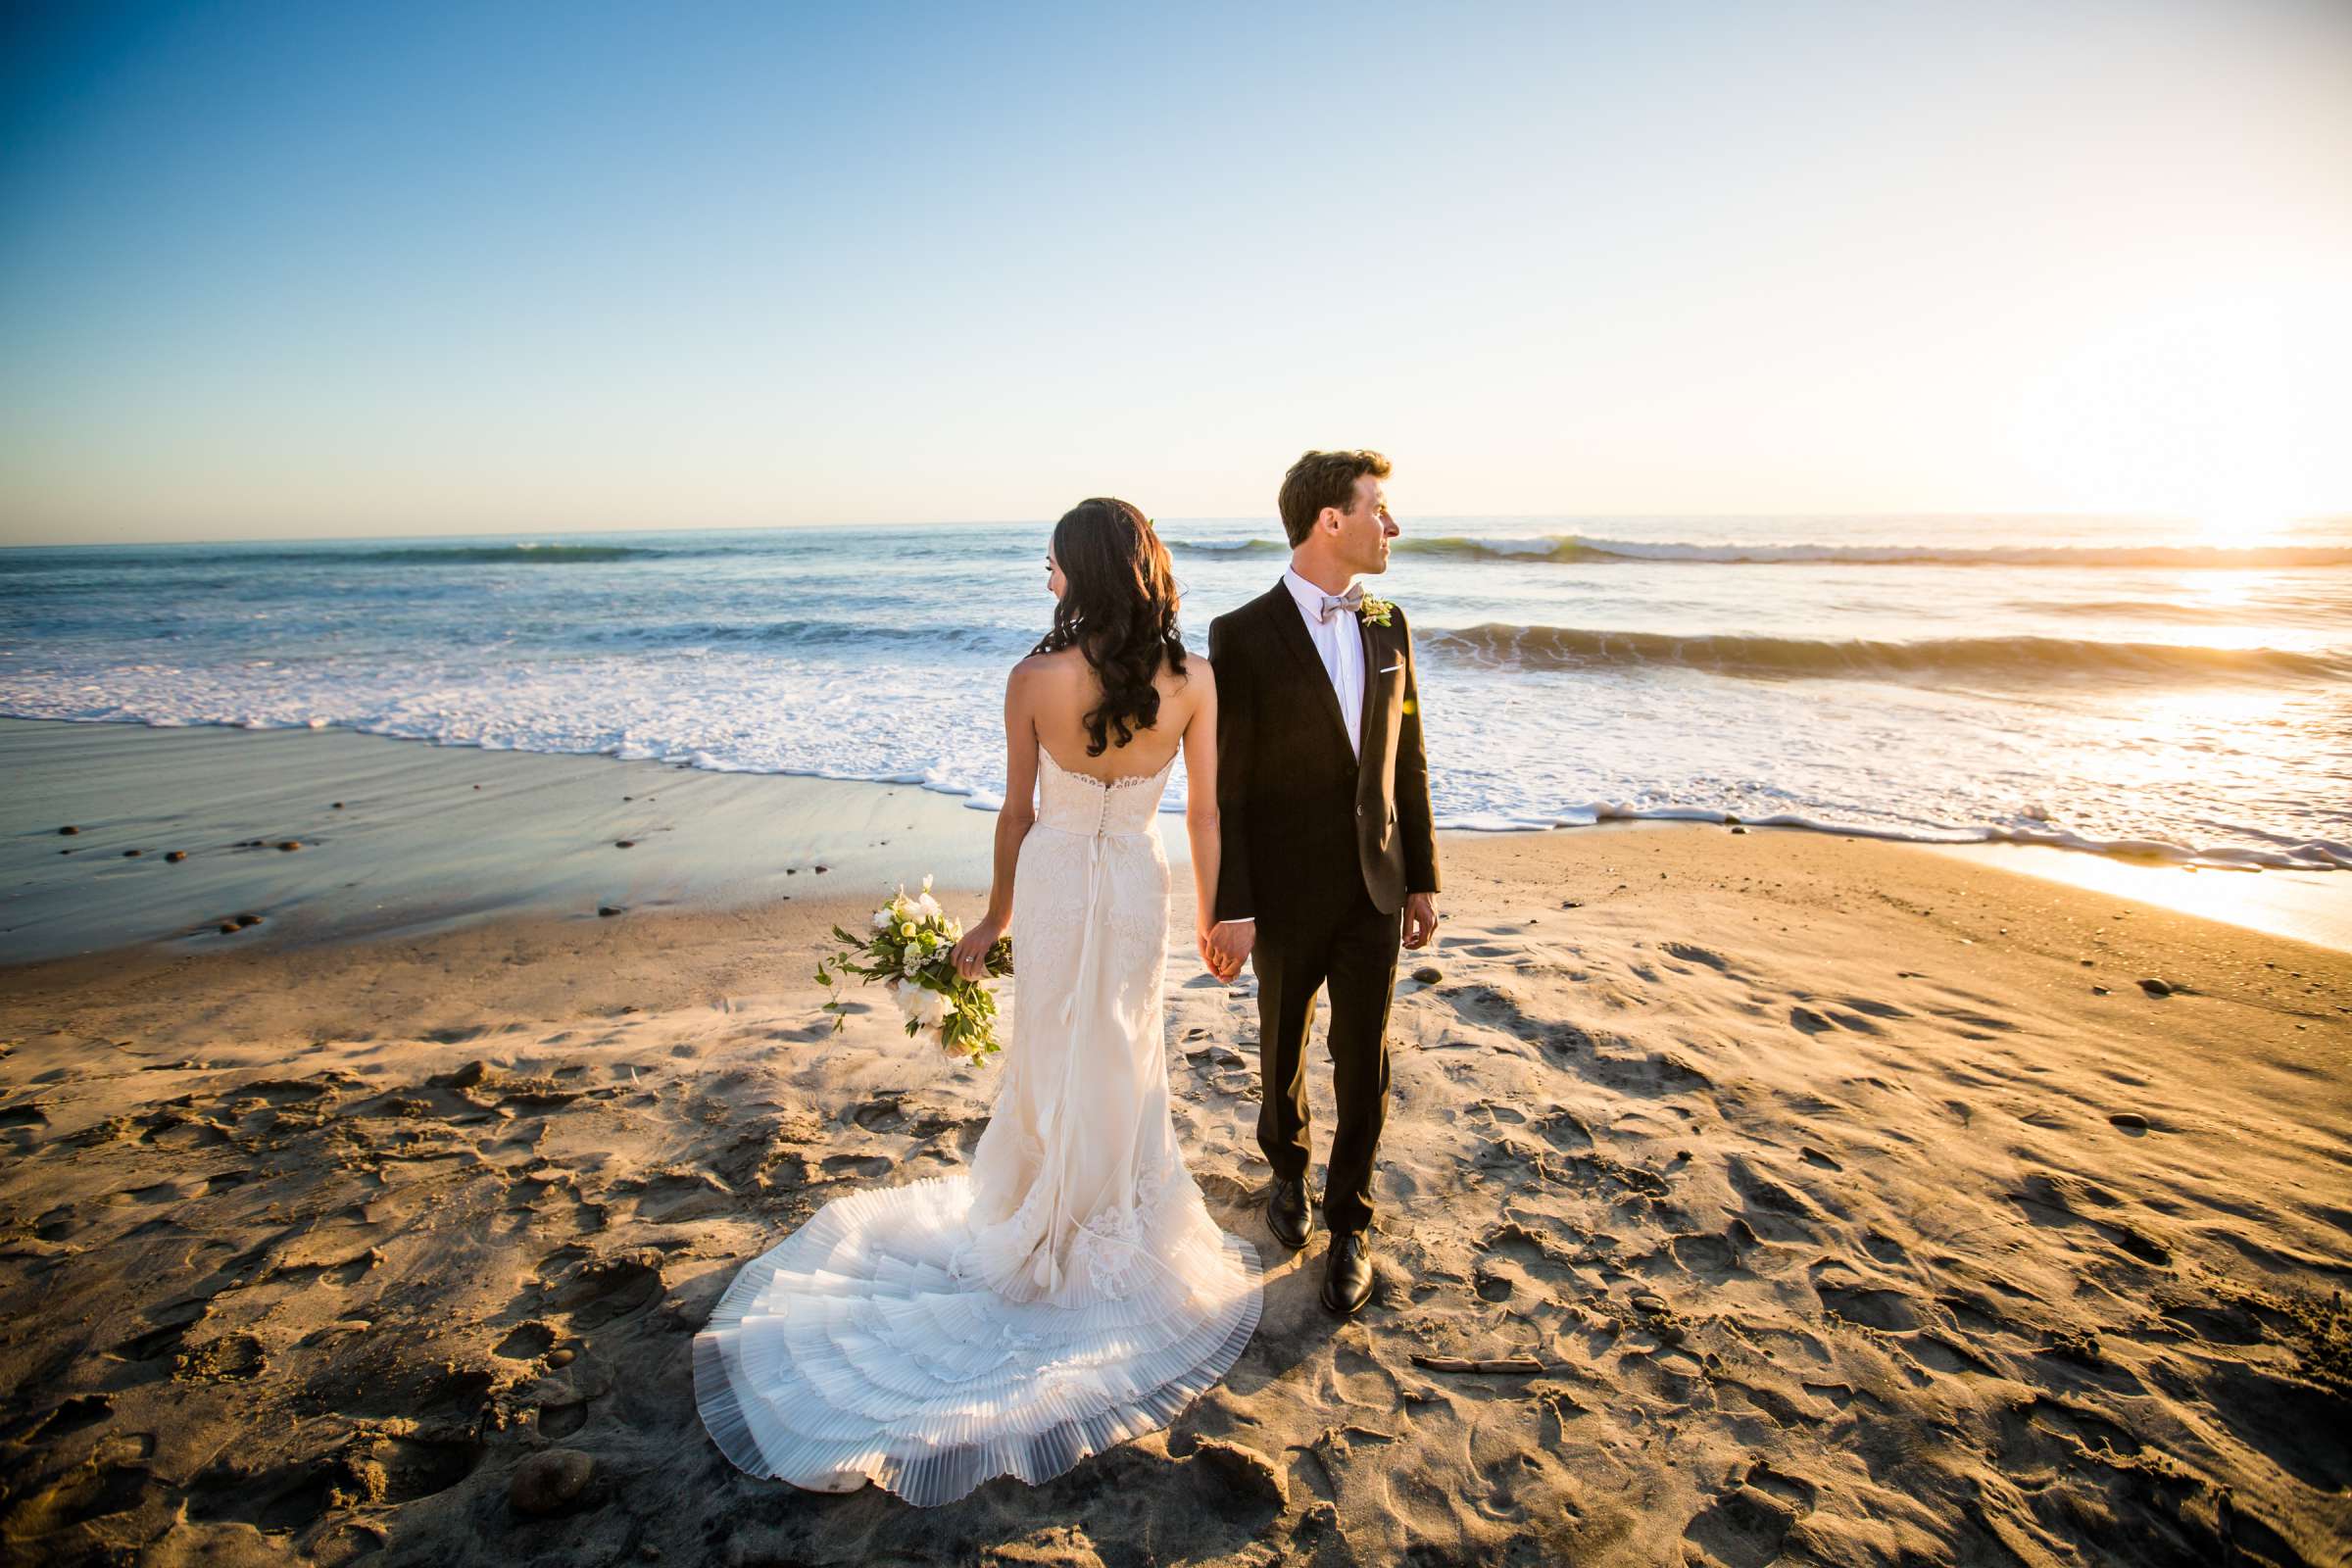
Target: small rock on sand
(1737,829)
(608,910)
(624,844)
(562,1357)
(69,832)
(549,1482)
(338,806)
(228,928)
(2155,988)
(129,854)
(466,1077)
(249,918)
(2131,1121)
(176,856)
(289,844)
(2099,991)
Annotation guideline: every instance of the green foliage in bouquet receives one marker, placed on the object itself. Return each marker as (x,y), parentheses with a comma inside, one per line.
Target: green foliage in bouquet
(909,950)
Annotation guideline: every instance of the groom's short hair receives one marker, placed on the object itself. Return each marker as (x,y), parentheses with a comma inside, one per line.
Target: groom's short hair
(1323,479)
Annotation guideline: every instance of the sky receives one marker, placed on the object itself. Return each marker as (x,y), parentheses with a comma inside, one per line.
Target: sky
(327,271)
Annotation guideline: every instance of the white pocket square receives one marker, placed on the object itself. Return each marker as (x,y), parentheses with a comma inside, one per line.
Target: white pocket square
(1387,669)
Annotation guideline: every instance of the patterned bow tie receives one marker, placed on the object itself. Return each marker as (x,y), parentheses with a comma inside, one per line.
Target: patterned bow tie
(1332,603)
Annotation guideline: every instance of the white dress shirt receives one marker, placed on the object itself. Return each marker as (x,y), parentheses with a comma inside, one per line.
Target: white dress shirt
(1342,646)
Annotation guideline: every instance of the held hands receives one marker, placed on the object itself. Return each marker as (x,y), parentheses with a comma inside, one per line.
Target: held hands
(970,952)
(1420,919)
(1225,947)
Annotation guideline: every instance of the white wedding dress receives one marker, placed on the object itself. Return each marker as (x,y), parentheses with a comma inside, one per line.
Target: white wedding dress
(1066,1292)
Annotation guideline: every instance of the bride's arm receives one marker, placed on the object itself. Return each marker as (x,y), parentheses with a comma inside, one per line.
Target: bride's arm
(1015,819)
(1201,820)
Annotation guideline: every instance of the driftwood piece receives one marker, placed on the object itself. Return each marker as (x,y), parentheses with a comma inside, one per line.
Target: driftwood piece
(1461,1363)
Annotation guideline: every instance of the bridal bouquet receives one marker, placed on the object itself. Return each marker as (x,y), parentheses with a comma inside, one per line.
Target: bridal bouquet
(909,950)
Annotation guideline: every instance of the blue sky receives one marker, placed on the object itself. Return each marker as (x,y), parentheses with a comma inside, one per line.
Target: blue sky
(291,271)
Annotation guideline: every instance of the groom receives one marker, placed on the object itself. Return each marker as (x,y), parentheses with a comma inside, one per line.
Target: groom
(1329,854)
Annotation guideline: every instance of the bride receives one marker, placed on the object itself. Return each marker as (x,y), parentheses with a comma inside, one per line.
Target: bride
(1070,1289)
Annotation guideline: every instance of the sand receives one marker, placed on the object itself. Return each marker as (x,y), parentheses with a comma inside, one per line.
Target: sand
(1858,1203)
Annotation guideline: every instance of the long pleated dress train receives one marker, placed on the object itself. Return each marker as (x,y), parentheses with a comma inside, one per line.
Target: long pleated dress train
(1066,1292)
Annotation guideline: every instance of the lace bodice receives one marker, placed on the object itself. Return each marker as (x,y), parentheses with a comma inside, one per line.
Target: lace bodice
(1077,804)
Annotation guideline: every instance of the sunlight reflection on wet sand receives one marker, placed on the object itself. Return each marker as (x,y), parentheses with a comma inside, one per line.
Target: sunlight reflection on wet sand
(2313,906)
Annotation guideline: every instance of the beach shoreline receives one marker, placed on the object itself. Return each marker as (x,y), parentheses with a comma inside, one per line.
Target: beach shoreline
(429,837)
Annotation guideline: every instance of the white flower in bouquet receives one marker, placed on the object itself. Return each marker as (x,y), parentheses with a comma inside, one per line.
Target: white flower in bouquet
(926,1007)
(881,919)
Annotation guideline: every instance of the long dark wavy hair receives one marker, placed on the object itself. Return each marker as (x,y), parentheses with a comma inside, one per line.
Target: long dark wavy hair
(1119,609)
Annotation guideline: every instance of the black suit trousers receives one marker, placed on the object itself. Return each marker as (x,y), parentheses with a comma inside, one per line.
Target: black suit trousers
(1349,948)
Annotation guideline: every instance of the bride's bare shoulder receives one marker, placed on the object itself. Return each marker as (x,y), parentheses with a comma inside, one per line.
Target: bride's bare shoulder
(1191,686)
(1039,668)
(1045,684)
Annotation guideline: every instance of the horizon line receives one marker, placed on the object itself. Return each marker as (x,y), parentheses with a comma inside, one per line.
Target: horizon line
(2294,523)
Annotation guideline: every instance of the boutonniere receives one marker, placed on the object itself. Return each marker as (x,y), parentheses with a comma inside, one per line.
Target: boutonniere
(1375,612)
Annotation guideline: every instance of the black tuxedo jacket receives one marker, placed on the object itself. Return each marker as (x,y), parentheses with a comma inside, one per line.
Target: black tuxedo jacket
(1301,813)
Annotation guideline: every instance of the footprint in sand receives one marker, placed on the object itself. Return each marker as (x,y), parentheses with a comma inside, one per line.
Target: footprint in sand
(1775,1213)
(1565,1130)
(606,1289)
(1744,1527)
(76,1414)
(171,1326)
(1707,1256)
(526,1341)
(1871,1305)
(561,1420)
(1948,1357)
(1493,1284)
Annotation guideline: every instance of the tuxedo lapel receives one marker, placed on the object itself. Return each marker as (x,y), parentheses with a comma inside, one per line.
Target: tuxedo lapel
(1374,652)
(1289,630)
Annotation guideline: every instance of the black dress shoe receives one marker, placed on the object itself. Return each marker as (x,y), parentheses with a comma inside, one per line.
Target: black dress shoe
(1348,1272)
(1289,1215)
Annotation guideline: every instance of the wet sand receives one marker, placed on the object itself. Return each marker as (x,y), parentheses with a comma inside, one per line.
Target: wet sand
(402,837)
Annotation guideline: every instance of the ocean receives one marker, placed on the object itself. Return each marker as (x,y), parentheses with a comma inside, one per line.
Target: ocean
(2105,685)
